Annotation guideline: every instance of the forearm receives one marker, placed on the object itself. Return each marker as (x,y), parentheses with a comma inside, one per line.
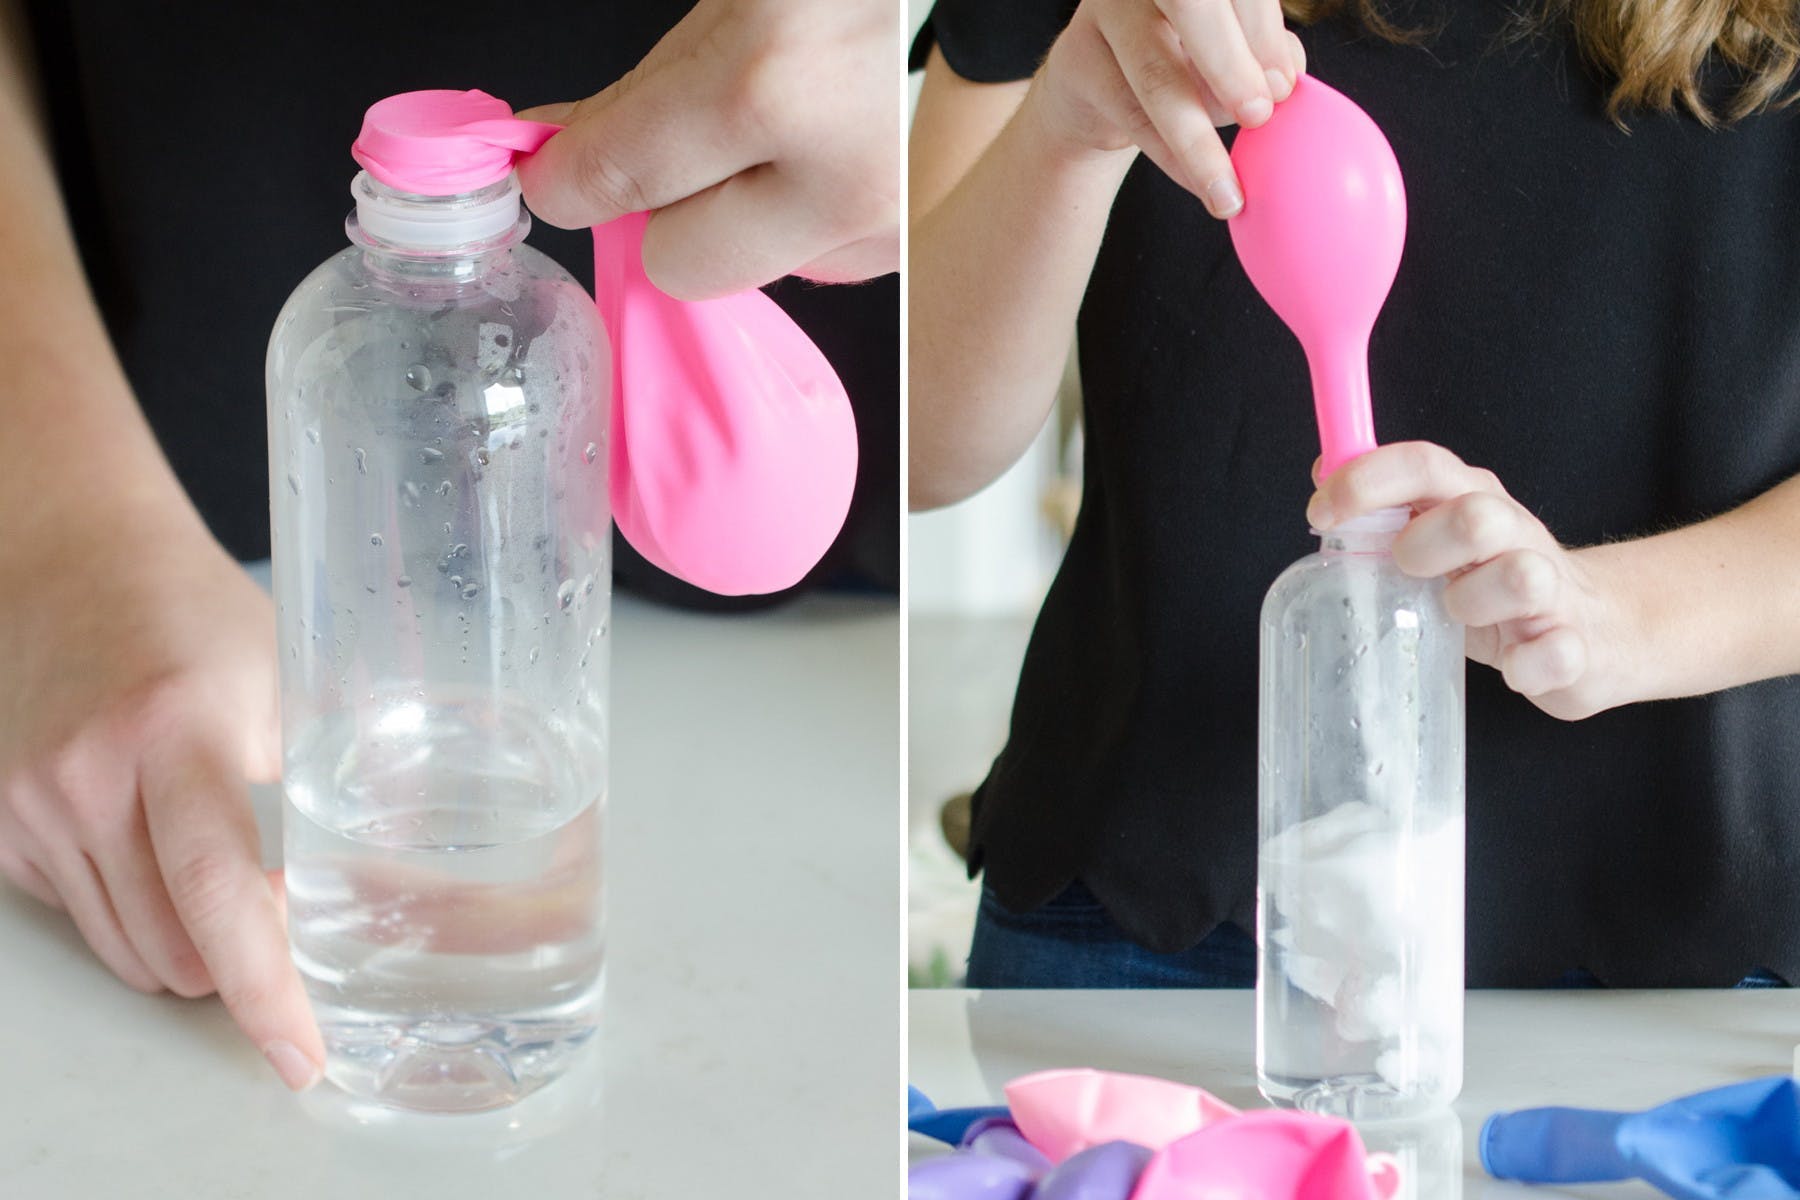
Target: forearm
(75,436)
(996,274)
(1711,605)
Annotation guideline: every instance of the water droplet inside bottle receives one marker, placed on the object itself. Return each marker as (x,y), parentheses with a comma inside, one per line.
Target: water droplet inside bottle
(460,550)
(412,492)
(456,581)
(362,461)
(404,581)
(312,435)
(445,488)
(446,527)
(418,376)
(369,588)
(293,484)
(533,656)
(565,595)
(506,310)
(430,457)
(481,456)
(470,591)
(587,584)
(444,390)
(591,453)
(374,539)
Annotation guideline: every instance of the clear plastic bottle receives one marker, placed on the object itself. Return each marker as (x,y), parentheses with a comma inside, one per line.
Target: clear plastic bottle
(441,540)
(1360,866)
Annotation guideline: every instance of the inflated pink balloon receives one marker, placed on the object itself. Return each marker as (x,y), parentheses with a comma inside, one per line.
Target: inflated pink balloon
(1320,234)
(1064,1112)
(734,451)
(1270,1155)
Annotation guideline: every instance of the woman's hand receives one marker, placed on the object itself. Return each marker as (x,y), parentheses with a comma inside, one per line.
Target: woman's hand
(763,135)
(1161,75)
(1557,623)
(139,693)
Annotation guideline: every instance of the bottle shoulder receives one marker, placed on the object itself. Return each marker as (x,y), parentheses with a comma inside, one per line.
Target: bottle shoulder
(1361,580)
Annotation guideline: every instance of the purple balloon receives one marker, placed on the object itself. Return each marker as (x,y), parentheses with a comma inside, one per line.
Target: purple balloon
(1105,1172)
(968,1176)
(1001,1138)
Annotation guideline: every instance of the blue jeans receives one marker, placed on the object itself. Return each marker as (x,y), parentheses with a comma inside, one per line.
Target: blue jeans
(1071,942)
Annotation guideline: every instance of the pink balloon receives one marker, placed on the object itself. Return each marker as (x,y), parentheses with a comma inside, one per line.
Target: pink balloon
(734,452)
(1065,1112)
(1320,235)
(1270,1155)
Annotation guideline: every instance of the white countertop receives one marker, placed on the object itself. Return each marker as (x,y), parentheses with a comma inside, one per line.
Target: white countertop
(1592,1049)
(750,1036)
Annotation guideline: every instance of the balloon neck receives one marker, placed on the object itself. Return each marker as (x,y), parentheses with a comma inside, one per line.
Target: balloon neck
(1340,378)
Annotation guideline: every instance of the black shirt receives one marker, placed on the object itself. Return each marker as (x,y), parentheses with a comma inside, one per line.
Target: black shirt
(1608,320)
(204,154)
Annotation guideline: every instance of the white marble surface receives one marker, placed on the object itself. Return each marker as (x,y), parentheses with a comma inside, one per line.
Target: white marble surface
(750,1045)
(1592,1049)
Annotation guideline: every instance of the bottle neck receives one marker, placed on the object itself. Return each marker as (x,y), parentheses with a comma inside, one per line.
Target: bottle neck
(1371,533)
(436,237)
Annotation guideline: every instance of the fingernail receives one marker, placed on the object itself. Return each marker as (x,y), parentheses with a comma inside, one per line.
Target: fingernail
(1223,198)
(1279,85)
(1318,512)
(1255,111)
(296,1070)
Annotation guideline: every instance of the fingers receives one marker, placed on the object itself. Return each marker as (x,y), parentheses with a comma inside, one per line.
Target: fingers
(749,230)
(659,134)
(1168,95)
(19,855)
(78,883)
(205,841)
(1275,48)
(1516,586)
(1550,662)
(1213,36)
(127,864)
(862,259)
(1416,474)
(1466,531)
(28,878)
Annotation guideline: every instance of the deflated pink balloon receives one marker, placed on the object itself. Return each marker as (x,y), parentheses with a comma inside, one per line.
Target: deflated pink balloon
(1064,1112)
(1270,1155)
(734,451)
(1320,234)
(733,443)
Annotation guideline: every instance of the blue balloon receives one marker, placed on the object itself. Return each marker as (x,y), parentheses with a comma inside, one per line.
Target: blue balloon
(1740,1142)
(947,1125)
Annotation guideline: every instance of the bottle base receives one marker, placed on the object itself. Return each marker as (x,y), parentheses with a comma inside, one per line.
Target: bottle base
(446,1065)
(1352,1097)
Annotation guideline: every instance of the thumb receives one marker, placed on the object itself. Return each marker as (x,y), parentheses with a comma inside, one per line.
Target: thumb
(549,114)
(660,134)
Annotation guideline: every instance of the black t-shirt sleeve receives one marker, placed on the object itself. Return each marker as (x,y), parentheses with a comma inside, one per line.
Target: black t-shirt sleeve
(992,41)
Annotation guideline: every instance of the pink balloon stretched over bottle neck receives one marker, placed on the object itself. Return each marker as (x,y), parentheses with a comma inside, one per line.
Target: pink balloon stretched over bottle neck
(1320,235)
(444,143)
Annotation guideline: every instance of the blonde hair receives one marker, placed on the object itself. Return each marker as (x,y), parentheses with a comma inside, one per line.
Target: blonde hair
(1653,53)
